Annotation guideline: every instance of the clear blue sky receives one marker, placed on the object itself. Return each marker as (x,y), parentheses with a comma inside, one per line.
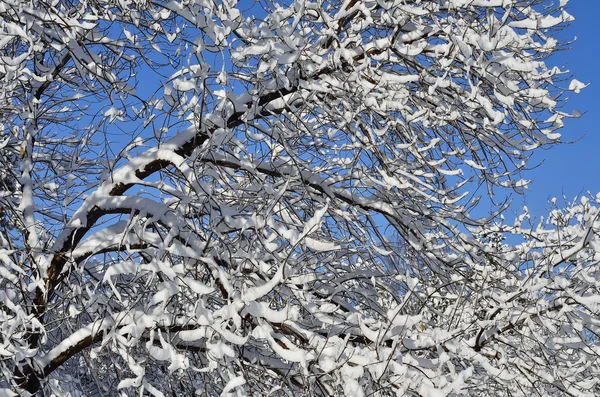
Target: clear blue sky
(570,169)
(573,169)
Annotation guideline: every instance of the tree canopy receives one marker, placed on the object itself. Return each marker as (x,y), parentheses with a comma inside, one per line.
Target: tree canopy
(230,198)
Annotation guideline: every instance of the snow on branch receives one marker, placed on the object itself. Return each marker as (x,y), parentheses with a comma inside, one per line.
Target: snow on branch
(218,198)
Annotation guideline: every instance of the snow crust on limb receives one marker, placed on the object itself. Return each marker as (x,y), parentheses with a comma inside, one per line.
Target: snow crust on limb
(209,198)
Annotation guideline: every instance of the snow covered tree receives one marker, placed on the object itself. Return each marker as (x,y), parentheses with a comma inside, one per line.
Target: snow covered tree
(255,198)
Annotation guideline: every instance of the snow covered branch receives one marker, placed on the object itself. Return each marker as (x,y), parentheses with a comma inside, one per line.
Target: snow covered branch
(206,197)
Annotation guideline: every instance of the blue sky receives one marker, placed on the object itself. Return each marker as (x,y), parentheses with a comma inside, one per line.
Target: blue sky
(570,169)
(573,169)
